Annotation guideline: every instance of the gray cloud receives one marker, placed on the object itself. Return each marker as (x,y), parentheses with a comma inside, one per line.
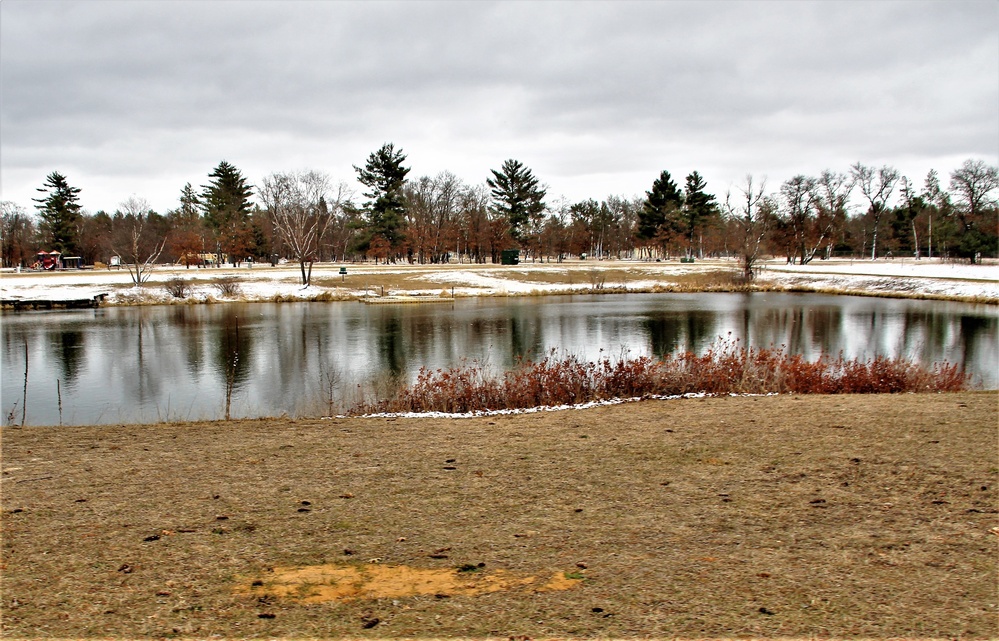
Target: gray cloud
(141,97)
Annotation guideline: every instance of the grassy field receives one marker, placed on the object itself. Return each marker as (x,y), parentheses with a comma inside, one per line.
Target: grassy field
(789,516)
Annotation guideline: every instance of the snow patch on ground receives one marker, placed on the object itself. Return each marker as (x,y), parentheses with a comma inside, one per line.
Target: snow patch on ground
(487,283)
(885,285)
(925,268)
(524,410)
(544,408)
(898,277)
(52,292)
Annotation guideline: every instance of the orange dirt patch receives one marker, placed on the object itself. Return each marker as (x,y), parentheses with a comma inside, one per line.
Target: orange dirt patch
(323,583)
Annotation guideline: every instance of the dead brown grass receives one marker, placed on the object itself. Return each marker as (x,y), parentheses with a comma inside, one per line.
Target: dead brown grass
(790,516)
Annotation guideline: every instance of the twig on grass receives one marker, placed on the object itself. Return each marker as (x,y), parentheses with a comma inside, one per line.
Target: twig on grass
(37,478)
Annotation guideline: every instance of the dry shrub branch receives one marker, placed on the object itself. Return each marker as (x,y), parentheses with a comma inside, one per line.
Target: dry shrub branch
(177,287)
(228,286)
(726,369)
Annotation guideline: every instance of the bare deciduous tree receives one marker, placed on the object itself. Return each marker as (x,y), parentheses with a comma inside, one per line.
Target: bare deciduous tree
(473,224)
(833,194)
(302,205)
(799,212)
(973,185)
(433,207)
(134,240)
(16,231)
(752,218)
(876,185)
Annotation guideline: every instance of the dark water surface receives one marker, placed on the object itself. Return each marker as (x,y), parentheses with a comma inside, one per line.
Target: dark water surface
(176,363)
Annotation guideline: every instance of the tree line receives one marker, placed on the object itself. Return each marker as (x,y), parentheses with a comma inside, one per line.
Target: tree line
(307,216)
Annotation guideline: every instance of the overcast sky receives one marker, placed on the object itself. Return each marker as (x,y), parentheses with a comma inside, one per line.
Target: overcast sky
(597,98)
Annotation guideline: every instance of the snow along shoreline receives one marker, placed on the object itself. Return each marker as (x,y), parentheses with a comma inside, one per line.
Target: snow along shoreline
(542,408)
(926,278)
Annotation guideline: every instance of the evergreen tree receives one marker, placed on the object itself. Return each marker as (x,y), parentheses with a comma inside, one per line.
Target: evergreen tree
(516,195)
(699,209)
(225,201)
(60,211)
(187,237)
(384,176)
(189,203)
(903,219)
(661,206)
(226,197)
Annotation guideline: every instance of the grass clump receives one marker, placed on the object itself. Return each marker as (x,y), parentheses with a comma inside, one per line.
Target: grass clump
(228,286)
(728,369)
(177,287)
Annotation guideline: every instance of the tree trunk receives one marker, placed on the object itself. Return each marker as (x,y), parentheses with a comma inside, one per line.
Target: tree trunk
(874,238)
(929,240)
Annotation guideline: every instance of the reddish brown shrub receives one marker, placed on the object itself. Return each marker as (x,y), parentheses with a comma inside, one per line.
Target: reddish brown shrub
(723,369)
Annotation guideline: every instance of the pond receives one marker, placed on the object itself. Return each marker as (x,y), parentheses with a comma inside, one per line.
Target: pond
(147,364)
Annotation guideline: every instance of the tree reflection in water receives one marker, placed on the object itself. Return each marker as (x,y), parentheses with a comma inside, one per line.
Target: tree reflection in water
(148,364)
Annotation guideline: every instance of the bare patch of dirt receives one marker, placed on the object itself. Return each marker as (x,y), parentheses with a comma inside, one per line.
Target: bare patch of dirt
(766,517)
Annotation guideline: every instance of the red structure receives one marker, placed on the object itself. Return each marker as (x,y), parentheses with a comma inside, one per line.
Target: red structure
(48,260)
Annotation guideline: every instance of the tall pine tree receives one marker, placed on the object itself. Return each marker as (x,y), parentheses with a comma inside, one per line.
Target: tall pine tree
(226,197)
(225,201)
(516,195)
(660,208)
(60,211)
(699,209)
(384,176)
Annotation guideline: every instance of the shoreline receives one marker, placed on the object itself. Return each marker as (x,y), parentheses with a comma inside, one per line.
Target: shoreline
(923,280)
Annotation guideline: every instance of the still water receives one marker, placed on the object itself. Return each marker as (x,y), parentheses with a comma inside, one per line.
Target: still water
(176,363)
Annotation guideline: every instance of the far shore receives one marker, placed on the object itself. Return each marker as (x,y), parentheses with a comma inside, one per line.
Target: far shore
(894,278)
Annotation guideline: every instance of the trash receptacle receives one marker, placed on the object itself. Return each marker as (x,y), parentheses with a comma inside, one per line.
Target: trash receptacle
(510,257)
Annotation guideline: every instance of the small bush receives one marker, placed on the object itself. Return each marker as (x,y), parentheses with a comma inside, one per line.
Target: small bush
(177,287)
(227,285)
(597,279)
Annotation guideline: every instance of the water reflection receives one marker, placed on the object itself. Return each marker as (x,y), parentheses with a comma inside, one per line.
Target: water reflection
(68,349)
(233,348)
(148,364)
(670,333)
(391,352)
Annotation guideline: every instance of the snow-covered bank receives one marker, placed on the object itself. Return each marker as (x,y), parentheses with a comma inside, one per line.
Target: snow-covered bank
(904,268)
(925,278)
